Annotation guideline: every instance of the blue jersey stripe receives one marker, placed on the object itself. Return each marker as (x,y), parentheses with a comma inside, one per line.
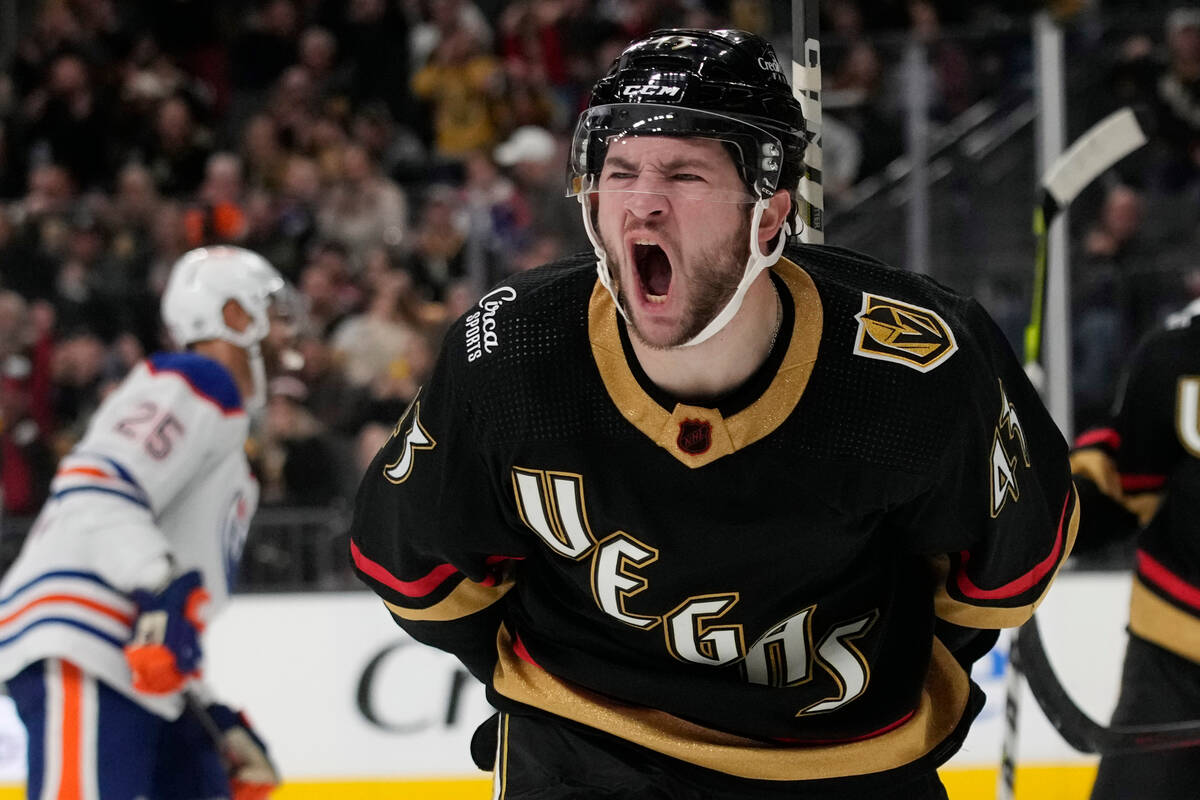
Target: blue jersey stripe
(73,623)
(90,577)
(137,500)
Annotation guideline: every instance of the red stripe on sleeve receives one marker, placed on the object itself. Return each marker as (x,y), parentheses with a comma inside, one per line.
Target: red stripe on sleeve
(1142,483)
(1104,436)
(1168,581)
(1023,583)
(418,588)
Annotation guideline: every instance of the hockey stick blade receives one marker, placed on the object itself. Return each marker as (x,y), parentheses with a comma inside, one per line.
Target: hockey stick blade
(1074,725)
(1100,147)
(1104,144)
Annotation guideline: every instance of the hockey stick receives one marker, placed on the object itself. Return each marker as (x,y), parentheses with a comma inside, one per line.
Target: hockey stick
(1075,726)
(806,85)
(198,709)
(1006,782)
(1100,147)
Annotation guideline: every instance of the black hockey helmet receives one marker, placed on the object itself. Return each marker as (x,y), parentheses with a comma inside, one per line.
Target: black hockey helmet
(721,84)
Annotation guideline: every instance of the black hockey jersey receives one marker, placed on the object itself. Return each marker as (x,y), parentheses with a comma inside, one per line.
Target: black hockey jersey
(1147,464)
(751,587)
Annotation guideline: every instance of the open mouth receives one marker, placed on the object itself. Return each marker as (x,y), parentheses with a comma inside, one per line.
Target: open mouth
(653,269)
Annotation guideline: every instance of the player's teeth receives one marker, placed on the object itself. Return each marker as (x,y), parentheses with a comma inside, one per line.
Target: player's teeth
(656,298)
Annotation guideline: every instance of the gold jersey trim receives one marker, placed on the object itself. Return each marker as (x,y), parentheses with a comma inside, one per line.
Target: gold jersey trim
(728,435)
(466,599)
(943,700)
(1163,623)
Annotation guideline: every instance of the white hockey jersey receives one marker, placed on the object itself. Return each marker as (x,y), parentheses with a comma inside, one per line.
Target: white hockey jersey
(161,470)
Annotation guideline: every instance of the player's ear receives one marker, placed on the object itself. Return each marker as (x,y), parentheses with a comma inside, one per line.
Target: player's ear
(236,317)
(773,217)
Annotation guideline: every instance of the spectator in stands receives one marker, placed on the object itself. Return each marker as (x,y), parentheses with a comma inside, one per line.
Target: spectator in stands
(373,37)
(339,405)
(168,243)
(293,105)
(363,208)
(438,256)
(1114,298)
(497,218)
(1178,98)
(443,18)
(396,149)
(23,267)
(263,154)
(380,347)
(326,288)
(27,461)
(88,291)
(294,452)
(282,225)
(219,215)
(178,149)
(77,372)
(463,85)
(533,159)
(854,98)
(317,54)
(66,122)
(131,214)
(43,217)
(264,49)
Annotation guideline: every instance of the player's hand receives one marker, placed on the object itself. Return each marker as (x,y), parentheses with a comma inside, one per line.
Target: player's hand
(252,776)
(165,649)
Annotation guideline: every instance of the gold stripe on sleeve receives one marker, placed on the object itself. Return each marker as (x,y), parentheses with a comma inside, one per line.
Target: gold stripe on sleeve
(466,599)
(1163,623)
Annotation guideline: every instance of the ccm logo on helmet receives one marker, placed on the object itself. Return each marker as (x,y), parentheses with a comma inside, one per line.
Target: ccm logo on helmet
(650,91)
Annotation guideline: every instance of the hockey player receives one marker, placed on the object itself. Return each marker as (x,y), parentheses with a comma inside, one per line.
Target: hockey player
(1142,473)
(101,613)
(724,521)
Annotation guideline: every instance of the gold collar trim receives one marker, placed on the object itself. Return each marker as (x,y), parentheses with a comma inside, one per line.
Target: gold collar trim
(764,415)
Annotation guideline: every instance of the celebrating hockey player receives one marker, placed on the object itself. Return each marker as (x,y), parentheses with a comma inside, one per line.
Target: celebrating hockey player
(1141,472)
(101,615)
(730,519)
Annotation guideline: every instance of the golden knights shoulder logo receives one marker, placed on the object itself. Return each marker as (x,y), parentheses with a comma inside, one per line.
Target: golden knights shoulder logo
(890,330)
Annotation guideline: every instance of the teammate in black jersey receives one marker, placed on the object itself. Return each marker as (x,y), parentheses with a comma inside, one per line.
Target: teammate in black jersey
(1141,474)
(723,521)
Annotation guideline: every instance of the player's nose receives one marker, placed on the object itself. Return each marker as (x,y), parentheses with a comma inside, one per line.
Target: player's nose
(644,205)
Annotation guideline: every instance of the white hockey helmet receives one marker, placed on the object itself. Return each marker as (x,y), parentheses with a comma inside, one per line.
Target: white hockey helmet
(203,280)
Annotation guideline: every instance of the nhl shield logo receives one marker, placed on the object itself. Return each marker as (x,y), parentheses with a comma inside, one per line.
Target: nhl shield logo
(695,436)
(890,330)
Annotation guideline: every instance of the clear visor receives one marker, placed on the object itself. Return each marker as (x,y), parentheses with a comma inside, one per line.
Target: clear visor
(600,162)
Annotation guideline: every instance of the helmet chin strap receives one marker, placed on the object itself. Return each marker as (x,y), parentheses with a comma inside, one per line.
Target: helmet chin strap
(602,269)
(755,264)
(257,401)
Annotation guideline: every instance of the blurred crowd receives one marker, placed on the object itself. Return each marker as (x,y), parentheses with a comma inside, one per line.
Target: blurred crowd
(392,158)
